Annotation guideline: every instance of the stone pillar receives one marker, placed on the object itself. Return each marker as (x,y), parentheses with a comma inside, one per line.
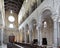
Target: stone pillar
(30,33)
(39,35)
(2,36)
(58,33)
(25,35)
(55,34)
(30,36)
(38,31)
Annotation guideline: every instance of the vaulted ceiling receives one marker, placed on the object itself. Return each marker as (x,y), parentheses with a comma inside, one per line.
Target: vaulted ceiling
(14,5)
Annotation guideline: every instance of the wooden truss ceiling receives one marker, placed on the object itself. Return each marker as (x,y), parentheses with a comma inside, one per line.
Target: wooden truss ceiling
(14,5)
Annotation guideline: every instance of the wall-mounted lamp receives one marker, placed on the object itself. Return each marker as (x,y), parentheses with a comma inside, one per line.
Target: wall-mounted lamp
(11,11)
(45,24)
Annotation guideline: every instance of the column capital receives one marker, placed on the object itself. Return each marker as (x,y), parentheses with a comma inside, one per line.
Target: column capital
(59,19)
(38,27)
(55,17)
(30,27)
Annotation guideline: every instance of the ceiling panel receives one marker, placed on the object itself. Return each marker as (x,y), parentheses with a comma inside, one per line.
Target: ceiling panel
(14,5)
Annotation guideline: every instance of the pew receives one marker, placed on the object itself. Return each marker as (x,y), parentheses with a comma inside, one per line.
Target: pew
(27,45)
(12,45)
(22,45)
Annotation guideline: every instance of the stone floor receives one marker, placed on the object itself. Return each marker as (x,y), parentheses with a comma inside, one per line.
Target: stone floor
(3,46)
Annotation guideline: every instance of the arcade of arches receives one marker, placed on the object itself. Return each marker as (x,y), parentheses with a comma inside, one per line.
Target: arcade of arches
(46,29)
(30,23)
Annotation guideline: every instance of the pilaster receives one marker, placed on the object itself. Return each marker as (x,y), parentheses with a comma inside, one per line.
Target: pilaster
(39,35)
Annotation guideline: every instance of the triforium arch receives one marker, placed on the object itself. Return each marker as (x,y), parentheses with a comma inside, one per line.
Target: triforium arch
(47,27)
(27,33)
(34,31)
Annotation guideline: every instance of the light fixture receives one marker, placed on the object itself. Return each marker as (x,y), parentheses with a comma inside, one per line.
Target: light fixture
(11,18)
(45,24)
(11,11)
(11,26)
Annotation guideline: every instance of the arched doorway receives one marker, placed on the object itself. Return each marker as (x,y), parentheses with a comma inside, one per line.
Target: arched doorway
(47,28)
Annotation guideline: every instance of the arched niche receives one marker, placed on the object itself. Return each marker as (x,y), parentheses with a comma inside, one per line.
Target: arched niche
(27,33)
(47,27)
(34,31)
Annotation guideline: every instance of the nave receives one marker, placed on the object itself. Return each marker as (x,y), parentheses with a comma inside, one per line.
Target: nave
(30,23)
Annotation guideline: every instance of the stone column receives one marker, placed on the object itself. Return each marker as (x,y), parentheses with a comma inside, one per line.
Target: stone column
(30,36)
(2,36)
(30,33)
(38,31)
(55,34)
(59,31)
(24,35)
(39,35)
(58,35)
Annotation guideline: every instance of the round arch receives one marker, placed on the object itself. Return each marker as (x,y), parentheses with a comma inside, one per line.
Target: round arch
(50,9)
(47,27)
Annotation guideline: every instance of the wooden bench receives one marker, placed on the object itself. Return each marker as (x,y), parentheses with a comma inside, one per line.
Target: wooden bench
(12,45)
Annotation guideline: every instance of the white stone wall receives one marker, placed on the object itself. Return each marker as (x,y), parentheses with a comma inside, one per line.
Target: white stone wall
(47,4)
(53,6)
